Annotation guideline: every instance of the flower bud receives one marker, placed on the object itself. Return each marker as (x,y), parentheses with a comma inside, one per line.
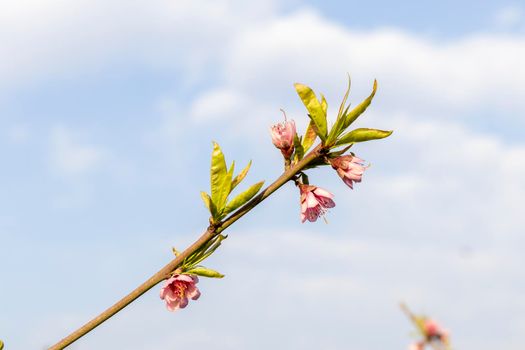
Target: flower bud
(283,135)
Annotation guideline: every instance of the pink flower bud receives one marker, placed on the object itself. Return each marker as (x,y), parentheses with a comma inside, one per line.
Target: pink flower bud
(283,135)
(349,168)
(178,289)
(314,202)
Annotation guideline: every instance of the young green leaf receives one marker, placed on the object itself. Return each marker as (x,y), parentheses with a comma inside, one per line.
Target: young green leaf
(299,150)
(226,187)
(175,251)
(205,251)
(309,136)
(314,107)
(340,152)
(361,135)
(208,203)
(343,102)
(338,126)
(324,105)
(357,111)
(205,272)
(217,174)
(237,180)
(242,198)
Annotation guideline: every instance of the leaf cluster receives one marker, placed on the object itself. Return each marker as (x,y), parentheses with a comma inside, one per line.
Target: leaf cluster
(223,183)
(191,266)
(337,135)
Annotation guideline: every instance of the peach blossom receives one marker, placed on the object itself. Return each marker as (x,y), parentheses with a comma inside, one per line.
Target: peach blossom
(349,168)
(283,135)
(178,289)
(314,202)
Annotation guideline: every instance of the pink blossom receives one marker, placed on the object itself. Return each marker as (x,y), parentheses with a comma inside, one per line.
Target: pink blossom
(283,135)
(434,331)
(178,289)
(314,202)
(349,168)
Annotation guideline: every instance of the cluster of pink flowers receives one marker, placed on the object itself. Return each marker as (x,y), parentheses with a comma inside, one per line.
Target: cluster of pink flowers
(178,289)
(433,333)
(315,201)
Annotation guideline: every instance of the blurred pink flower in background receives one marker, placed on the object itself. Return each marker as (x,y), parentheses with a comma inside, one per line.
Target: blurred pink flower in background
(283,135)
(314,202)
(417,346)
(434,331)
(349,168)
(178,289)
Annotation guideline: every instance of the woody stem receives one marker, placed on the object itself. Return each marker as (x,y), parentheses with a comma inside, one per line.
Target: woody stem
(210,233)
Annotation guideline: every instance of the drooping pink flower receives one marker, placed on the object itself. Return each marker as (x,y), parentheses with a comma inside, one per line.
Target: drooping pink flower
(349,168)
(178,289)
(283,135)
(314,202)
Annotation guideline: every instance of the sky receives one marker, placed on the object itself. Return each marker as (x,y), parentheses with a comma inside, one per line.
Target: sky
(108,110)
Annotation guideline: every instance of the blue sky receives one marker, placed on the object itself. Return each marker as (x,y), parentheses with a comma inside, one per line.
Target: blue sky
(107,113)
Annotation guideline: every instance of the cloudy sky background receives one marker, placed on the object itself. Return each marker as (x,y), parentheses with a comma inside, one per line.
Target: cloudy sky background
(107,112)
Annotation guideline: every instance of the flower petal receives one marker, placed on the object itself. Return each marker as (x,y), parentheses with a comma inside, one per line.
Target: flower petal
(185,278)
(348,182)
(183,302)
(311,200)
(319,192)
(326,202)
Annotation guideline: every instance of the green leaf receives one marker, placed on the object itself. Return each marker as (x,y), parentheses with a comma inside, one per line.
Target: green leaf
(243,197)
(208,203)
(324,105)
(299,150)
(343,103)
(305,179)
(237,180)
(361,135)
(175,251)
(340,152)
(205,251)
(217,173)
(309,137)
(338,126)
(315,109)
(221,179)
(226,186)
(357,111)
(1,345)
(205,272)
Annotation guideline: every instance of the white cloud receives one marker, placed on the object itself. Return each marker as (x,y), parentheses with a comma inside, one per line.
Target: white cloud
(42,40)
(474,79)
(69,156)
(217,104)
(415,73)
(245,45)
(508,16)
